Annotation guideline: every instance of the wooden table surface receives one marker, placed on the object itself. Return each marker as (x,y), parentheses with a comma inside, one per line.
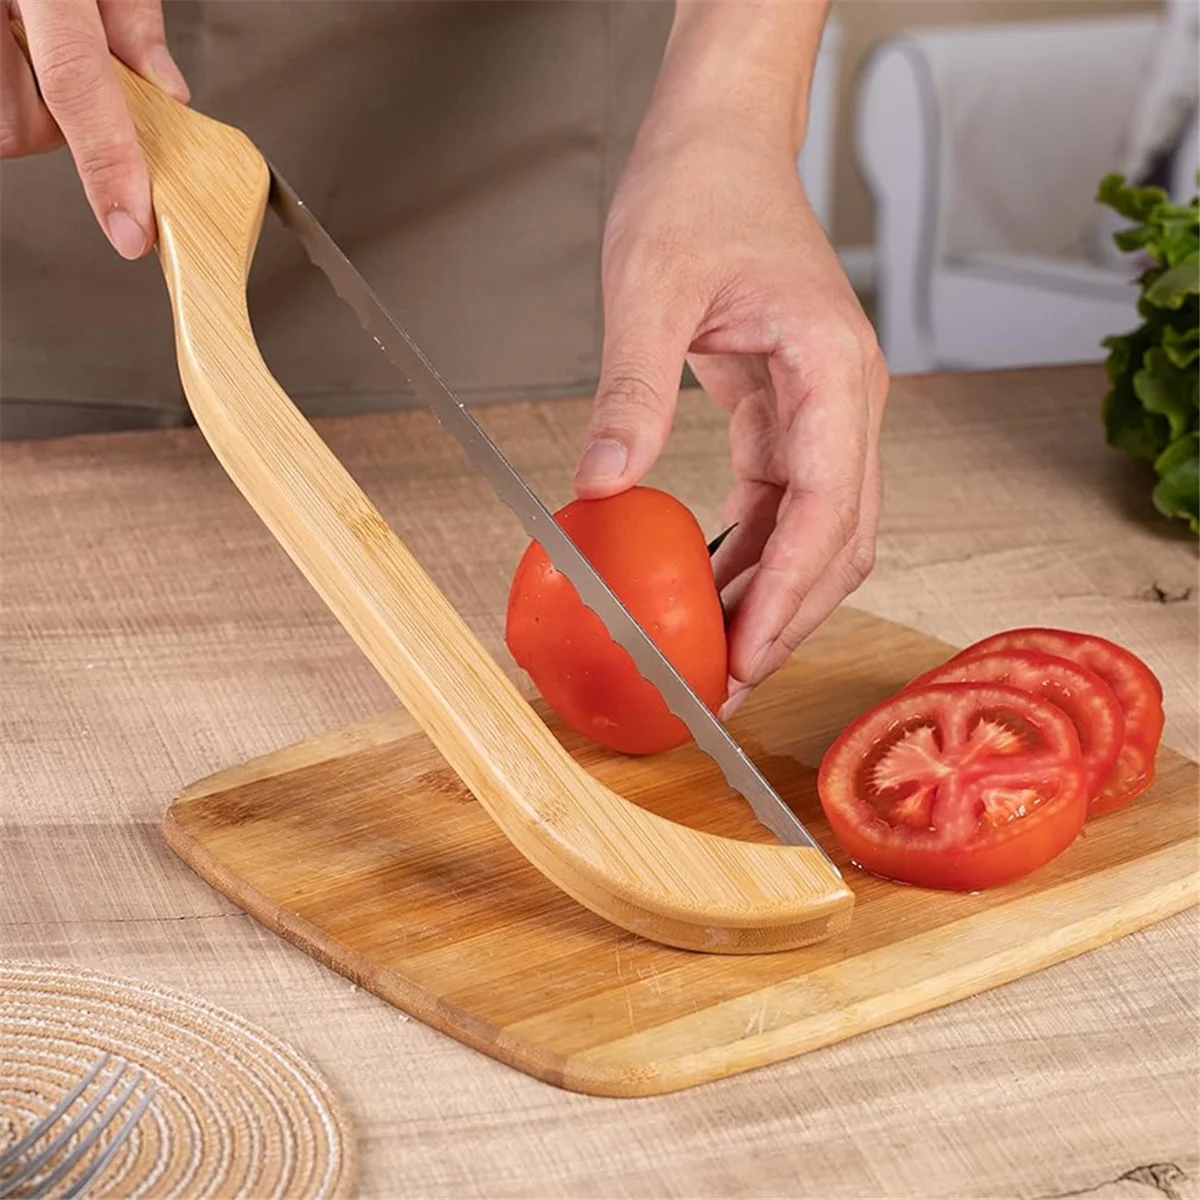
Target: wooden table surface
(151,633)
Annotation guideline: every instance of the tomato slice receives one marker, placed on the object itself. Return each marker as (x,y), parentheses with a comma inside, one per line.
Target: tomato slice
(957,786)
(1135,686)
(1091,704)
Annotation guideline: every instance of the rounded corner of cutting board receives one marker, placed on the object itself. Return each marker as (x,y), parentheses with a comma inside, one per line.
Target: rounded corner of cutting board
(180,842)
(582,1074)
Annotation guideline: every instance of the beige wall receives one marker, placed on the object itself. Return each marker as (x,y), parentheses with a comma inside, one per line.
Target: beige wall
(865,22)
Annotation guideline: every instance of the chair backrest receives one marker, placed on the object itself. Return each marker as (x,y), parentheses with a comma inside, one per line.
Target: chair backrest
(986,139)
(1161,129)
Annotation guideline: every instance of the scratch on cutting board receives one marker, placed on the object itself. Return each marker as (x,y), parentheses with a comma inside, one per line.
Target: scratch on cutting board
(657,978)
(629,1009)
(757,1023)
(651,974)
(1151,1180)
(625,991)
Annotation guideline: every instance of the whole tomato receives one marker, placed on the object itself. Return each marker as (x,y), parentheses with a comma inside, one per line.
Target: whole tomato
(649,549)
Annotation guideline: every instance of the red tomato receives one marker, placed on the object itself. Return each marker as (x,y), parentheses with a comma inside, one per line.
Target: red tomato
(959,786)
(1135,686)
(650,550)
(1098,718)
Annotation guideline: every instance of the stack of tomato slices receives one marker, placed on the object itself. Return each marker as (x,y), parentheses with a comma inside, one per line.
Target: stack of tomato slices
(985,768)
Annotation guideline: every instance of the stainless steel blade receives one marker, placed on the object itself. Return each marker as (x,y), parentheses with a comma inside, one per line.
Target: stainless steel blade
(710,735)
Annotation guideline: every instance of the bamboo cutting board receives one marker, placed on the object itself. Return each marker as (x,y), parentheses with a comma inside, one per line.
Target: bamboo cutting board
(365,850)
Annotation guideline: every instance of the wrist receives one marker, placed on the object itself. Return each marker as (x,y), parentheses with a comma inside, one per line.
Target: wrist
(745,62)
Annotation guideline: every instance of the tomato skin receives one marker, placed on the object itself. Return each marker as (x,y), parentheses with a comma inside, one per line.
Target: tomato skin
(1135,686)
(1087,700)
(650,550)
(955,843)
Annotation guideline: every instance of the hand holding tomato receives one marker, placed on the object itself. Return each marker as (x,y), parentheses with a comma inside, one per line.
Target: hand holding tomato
(712,253)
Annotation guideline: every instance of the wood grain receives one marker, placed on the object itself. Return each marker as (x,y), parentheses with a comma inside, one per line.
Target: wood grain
(152,632)
(679,886)
(367,852)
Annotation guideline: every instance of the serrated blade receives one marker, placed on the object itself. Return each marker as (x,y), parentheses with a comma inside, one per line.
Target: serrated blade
(710,735)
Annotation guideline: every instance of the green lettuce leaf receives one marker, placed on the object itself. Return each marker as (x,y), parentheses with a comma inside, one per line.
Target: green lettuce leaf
(1176,227)
(1129,426)
(1175,284)
(1178,490)
(1134,203)
(1168,390)
(1181,346)
(1152,405)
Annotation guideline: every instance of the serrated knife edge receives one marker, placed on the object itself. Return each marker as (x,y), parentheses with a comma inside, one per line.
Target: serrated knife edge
(710,735)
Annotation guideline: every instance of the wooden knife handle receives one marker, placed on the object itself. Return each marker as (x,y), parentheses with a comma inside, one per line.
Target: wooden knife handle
(640,871)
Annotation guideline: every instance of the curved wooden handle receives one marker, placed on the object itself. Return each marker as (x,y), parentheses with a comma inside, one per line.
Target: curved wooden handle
(640,871)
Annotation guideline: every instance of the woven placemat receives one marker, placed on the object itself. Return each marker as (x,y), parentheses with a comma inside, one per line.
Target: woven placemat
(237,1112)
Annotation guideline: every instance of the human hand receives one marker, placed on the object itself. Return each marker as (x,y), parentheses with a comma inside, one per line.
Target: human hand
(71,94)
(713,254)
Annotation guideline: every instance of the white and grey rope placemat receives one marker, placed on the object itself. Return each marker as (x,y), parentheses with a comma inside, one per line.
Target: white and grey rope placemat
(237,1112)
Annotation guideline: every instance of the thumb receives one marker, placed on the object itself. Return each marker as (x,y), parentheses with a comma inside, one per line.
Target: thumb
(640,373)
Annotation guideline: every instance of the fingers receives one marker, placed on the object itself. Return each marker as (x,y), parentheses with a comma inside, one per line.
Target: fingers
(753,507)
(826,451)
(741,383)
(137,37)
(848,569)
(645,343)
(26,126)
(69,48)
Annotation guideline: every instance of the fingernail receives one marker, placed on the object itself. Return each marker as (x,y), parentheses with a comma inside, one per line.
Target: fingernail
(604,460)
(739,694)
(163,68)
(126,234)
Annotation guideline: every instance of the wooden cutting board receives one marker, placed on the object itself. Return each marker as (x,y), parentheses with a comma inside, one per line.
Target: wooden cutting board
(365,850)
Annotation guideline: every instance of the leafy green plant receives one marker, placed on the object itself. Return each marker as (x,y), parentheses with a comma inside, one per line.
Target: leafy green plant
(1151,408)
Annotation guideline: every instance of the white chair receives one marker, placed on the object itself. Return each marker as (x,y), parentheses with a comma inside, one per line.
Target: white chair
(983,147)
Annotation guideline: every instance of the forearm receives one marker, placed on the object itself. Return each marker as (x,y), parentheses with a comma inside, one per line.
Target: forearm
(747,60)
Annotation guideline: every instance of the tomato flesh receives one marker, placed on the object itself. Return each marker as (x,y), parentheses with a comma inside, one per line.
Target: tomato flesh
(1136,688)
(1089,702)
(956,786)
(650,550)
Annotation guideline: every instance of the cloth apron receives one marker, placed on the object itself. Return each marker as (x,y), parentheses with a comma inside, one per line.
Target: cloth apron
(462,152)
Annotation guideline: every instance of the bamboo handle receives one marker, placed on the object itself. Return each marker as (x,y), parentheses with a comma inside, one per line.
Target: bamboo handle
(642,872)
